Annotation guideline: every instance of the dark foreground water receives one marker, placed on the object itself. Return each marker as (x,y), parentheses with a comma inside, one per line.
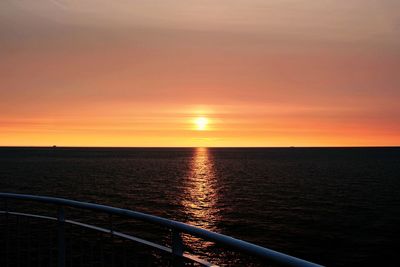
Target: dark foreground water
(333,206)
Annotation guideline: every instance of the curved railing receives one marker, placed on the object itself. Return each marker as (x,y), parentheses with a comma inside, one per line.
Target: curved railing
(175,227)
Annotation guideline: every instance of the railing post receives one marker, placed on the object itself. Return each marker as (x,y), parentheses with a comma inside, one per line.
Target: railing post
(111,224)
(7,232)
(6,206)
(110,217)
(177,243)
(61,236)
(177,248)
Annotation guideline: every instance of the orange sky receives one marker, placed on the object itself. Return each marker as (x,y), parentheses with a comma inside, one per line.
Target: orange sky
(137,73)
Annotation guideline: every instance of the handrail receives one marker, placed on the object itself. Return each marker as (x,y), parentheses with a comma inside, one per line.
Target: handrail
(175,226)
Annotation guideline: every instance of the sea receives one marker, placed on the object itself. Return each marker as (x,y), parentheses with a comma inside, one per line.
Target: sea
(331,206)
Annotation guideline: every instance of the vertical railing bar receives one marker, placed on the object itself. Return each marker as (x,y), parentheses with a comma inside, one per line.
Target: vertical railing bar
(111,224)
(29,245)
(61,236)
(177,243)
(25,243)
(38,252)
(70,248)
(91,254)
(7,231)
(102,255)
(125,256)
(37,247)
(82,253)
(177,248)
(6,205)
(110,217)
(50,252)
(17,241)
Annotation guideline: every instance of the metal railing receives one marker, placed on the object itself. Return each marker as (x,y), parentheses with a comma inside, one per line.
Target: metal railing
(176,228)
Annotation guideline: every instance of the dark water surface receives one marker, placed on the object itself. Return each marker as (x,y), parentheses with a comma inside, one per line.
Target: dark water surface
(333,206)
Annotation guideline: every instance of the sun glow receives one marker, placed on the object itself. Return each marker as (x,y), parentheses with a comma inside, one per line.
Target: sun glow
(201,123)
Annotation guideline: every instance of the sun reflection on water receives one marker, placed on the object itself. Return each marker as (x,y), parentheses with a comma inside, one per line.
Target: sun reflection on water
(201,195)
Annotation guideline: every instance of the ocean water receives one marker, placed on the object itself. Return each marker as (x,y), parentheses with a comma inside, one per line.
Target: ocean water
(333,206)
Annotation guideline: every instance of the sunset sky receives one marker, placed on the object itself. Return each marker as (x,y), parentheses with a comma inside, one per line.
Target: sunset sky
(142,73)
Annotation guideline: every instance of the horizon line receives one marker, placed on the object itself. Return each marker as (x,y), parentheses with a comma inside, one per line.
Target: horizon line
(55,146)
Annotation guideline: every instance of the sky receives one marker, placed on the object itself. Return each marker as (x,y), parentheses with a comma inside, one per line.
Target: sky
(141,73)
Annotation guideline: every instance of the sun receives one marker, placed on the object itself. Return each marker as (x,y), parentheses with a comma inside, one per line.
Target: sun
(201,123)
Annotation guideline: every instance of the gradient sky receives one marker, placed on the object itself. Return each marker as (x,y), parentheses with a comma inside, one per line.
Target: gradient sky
(138,72)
